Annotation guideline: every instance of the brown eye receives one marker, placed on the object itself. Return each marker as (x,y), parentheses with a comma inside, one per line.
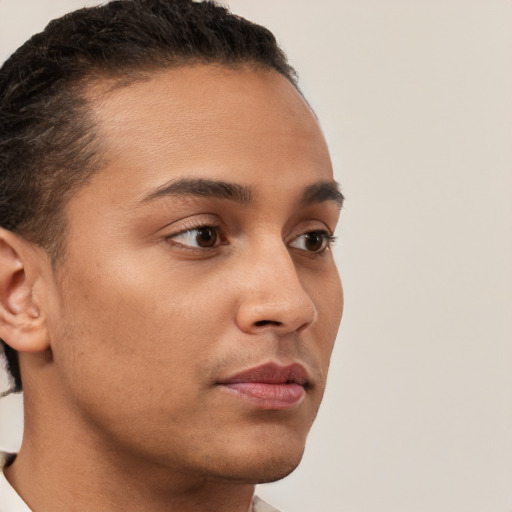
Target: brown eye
(206,236)
(203,237)
(314,241)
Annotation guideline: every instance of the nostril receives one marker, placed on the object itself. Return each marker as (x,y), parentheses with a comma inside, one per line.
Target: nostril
(262,323)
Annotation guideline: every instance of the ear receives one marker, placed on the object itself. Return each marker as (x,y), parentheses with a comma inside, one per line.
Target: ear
(22,322)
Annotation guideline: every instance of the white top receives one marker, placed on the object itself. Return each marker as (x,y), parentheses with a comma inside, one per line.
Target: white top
(10,500)
(258,505)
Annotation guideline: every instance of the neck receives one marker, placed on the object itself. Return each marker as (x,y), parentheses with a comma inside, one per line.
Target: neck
(66,465)
(56,483)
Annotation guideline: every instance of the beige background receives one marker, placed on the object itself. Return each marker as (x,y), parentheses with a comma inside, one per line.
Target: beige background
(415,97)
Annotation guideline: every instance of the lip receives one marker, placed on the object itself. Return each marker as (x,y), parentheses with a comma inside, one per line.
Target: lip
(270,386)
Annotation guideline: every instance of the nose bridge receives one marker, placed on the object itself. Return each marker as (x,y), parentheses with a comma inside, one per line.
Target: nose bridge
(273,295)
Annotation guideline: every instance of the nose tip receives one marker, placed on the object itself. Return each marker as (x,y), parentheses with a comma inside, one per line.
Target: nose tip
(281,304)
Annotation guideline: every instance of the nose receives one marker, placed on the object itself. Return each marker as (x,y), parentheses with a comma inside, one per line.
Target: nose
(273,297)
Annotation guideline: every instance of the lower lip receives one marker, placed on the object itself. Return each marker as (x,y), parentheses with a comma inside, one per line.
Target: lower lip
(269,396)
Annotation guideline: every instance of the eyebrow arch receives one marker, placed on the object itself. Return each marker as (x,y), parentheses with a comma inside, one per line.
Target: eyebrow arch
(323,191)
(203,188)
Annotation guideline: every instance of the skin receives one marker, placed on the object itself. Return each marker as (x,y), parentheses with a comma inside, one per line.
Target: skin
(123,345)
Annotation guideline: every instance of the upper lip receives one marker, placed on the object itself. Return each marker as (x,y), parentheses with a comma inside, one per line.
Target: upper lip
(271,373)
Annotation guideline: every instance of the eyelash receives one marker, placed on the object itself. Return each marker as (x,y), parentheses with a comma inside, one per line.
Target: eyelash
(190,229)
(327,239)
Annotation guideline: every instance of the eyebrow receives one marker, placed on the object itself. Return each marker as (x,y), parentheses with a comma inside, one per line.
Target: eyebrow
(217,189)
(323,191)
(204,188)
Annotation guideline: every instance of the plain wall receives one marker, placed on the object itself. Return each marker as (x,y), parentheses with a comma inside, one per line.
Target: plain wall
(415,98)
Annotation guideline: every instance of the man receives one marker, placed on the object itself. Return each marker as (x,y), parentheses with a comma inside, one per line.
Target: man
(169,299)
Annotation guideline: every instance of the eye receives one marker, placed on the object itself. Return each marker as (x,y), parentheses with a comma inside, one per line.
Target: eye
(203,237)
(314,241)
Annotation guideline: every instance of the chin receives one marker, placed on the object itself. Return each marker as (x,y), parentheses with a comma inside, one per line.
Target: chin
(267,452)
(276,473)
(264,465)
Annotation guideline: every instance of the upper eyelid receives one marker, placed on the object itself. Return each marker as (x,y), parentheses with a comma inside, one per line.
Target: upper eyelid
(309,226)
(188,224)
(194,228)
(212,220)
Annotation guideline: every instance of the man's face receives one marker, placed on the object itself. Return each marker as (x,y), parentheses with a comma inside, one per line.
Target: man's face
(198,300)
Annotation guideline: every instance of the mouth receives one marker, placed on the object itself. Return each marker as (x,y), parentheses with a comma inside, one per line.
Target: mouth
(270,386)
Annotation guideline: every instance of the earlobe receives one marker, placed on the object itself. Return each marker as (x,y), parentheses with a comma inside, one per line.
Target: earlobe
(22,323)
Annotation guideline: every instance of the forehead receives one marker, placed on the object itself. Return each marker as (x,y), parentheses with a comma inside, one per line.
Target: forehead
(251,125)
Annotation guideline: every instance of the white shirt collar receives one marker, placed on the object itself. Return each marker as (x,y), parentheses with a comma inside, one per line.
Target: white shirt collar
(10,500)
(258,505)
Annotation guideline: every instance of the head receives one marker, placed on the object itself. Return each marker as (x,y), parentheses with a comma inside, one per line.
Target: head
(167,210)
(48,144)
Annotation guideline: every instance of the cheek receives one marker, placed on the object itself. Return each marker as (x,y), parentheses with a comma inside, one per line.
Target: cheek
(326,292)
(143,313)
(141,352)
